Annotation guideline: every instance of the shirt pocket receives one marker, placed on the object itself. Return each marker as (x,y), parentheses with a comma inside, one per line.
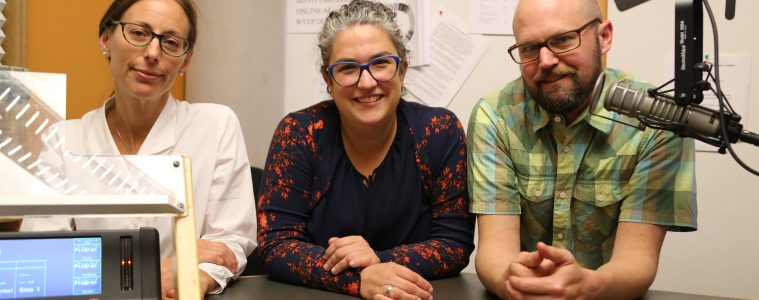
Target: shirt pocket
(598,193)
(536,208)
(536,189)
(596,212)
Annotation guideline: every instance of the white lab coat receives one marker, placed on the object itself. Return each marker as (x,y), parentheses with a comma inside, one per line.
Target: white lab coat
(210,135)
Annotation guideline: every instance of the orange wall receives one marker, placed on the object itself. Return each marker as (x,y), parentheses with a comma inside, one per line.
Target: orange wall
(62,38)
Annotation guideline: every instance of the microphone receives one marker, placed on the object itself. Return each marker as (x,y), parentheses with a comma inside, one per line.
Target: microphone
(660,111)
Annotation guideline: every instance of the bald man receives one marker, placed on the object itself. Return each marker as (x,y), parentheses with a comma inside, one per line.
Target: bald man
(569,202)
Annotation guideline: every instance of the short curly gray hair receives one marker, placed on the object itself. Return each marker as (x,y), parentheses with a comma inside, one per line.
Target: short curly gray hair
(359,12)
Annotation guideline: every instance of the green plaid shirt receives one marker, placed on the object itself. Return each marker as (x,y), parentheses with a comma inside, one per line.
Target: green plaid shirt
(573,183)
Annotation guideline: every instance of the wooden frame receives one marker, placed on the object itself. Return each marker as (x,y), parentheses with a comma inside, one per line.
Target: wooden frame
(15,29)
(185,244)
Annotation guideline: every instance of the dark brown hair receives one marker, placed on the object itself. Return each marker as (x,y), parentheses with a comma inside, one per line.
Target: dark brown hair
(119,7)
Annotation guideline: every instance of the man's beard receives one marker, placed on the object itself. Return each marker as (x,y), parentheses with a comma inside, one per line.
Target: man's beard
(559,100)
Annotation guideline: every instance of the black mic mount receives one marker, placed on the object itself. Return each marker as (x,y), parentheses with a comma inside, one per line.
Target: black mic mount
(730,9)
(658,109)
(688,46)
(681,113)
(624,5)
(688,51)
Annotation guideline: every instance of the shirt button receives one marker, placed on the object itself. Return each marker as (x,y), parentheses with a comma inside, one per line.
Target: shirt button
(601,197)
(537,193)
(565,149)
(559,236)
(557,119)
(562,195)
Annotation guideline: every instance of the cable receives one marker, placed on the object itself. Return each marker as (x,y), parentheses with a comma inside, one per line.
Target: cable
(720,96)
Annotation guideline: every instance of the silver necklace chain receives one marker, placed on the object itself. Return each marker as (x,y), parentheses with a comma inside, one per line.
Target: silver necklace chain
(121,138)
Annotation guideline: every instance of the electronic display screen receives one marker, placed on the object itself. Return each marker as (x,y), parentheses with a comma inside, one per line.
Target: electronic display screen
(50,267)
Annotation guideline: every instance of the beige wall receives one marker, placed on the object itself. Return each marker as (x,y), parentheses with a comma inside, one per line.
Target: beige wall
(62,38)
(239,62)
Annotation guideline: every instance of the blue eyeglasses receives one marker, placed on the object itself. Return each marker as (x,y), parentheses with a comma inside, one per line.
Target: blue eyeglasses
(348,73)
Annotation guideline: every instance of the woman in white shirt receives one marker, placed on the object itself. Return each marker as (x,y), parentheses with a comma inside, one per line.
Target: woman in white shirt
(147,43)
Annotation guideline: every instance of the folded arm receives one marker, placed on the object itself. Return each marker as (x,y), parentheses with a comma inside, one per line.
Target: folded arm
(285,206)
(441,154)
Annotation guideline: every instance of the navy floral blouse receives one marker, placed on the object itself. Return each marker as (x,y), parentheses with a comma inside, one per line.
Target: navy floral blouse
(412,211)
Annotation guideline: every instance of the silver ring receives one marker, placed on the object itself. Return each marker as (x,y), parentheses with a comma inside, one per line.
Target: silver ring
(389,289)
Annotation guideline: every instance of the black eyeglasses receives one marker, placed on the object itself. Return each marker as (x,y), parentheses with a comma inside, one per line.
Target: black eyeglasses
(139,35)
(348,73)
(560,43)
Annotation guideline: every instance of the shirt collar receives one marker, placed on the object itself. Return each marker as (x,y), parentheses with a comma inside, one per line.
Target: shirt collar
(163,134)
